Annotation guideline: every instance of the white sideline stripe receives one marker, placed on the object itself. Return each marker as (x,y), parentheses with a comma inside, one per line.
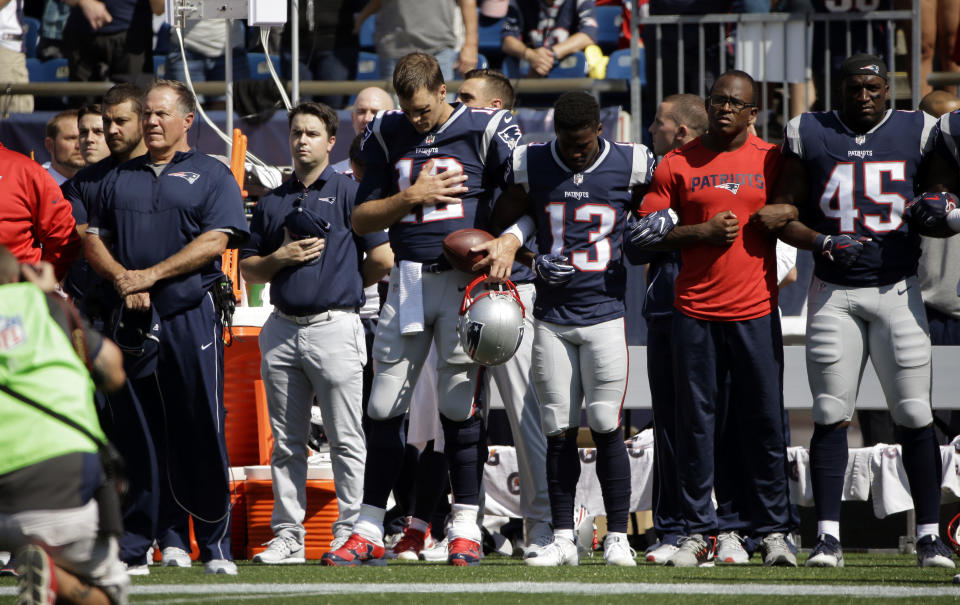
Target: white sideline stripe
(867,591)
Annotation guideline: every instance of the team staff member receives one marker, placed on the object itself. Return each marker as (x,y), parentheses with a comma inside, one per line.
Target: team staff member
(302,242)
(50,473)
(429,170)
(850,173)
(93,145)
(35,223)
(580,189)
(164,220)
(726,321)
(62,142)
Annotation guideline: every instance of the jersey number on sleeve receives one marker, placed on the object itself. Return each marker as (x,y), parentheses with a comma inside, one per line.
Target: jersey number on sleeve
(838,199)
(429,214)
(584,214)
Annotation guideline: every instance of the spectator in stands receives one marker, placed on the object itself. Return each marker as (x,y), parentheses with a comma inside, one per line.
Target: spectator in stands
(429,26)
(541,32)
(939,22)
(13,61)
(329,46)
(204,43)
(110,39)
(55,15)
(369,101)
(93,145)
(63,144)
(37,224)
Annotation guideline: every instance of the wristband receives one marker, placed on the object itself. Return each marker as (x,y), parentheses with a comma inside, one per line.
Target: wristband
(953,220)
(522,229)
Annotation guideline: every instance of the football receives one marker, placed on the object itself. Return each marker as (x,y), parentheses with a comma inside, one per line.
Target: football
(456,247)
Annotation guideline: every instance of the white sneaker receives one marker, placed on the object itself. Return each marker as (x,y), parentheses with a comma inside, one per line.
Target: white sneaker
(730,549)
(538,535)
(617,551)
(137,570)
(560,551)
(175,557)
(220,566)
(661,552)
(282,550)
(437,553)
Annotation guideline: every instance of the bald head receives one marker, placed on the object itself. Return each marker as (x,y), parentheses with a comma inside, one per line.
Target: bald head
(369,102)
(939,102)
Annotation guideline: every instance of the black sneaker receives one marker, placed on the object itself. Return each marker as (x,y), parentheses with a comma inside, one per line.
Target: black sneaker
(826,552)
(933,552)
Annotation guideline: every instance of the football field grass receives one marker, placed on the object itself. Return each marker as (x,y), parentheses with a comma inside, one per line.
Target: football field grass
(505,580)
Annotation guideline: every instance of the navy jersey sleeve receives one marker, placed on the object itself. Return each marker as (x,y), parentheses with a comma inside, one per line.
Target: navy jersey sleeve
(513,22)
(501,138)
(369,241)
(587,18)
(223,208)
(378,178)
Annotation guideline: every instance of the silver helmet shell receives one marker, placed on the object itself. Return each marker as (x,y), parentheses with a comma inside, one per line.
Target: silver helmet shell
(491,323)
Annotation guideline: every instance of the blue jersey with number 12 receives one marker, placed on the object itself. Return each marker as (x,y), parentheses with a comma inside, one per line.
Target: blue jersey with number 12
(582,216)
(476,142)
(859,184)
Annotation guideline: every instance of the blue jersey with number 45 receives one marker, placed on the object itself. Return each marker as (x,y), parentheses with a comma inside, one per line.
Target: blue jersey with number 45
(582,216)
(859,184)
(473,141)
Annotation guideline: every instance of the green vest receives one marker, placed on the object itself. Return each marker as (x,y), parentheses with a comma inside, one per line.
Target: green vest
(38,361)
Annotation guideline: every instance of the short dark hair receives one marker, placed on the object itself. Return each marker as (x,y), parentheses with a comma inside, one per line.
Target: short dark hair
(575,111)
(416,71)
(186,102)
(687,110)
(89,108)
(52,128)
(355,147)
(125,91)
(326,115)
(738,73)
(498,82)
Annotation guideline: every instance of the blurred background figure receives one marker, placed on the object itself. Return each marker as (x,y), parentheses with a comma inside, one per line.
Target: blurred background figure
(13,61)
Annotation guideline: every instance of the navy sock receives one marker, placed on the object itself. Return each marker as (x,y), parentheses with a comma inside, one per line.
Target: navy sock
(432,482)
(613,471)
(922,463)
(563,472)
(828,463)
(385,444)
(466,452)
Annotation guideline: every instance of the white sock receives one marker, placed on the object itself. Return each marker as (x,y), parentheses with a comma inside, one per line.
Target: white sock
(829,527)
(418,524)
(928,529)
(566,534)
(464,522)
(616,534)
(369,523)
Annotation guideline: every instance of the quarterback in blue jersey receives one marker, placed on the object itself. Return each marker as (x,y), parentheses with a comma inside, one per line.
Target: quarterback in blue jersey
(851,173)
(164,220)
(429,168)
(580,189)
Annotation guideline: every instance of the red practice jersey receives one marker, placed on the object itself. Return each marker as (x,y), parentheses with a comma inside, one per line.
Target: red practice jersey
(721,283)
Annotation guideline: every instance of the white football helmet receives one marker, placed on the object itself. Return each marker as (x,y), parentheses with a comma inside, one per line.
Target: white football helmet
(491,323)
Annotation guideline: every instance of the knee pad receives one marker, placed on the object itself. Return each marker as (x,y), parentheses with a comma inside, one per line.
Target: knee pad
(824,340)
(912,413)
(828,410)
(911,343)
(603,417)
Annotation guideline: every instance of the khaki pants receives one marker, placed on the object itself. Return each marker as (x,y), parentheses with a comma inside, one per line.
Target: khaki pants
(13,68)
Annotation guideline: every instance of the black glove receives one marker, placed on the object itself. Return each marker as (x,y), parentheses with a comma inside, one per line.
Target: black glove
(651,229)
(555,269)
(842,250)
(929,210)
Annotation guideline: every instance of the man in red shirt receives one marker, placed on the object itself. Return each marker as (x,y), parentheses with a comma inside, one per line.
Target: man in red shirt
(35,221)
(725,320)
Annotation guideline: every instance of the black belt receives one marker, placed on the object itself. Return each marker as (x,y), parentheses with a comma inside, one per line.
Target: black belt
(12,37)
(438,267)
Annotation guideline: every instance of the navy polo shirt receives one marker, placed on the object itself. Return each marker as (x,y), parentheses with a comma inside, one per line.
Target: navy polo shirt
(82,191)
(145,218)
(334,282)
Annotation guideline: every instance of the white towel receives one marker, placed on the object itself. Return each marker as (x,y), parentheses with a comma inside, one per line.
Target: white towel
(950,482)
(411,298)
(890,490)
(801,487)
(858,475)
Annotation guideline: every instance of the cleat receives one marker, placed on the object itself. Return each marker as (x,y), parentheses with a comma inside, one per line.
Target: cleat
(220,567)
(776,551)
(560,551)
(409,546)
(435,554)
(141,569)
(617,551)
(538,535)
(282,550)
(174,557)
(933,552)
(826,553)
(357,550)
(38,582)
(692,551)
(462,552)
(660,552)
(730,549)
